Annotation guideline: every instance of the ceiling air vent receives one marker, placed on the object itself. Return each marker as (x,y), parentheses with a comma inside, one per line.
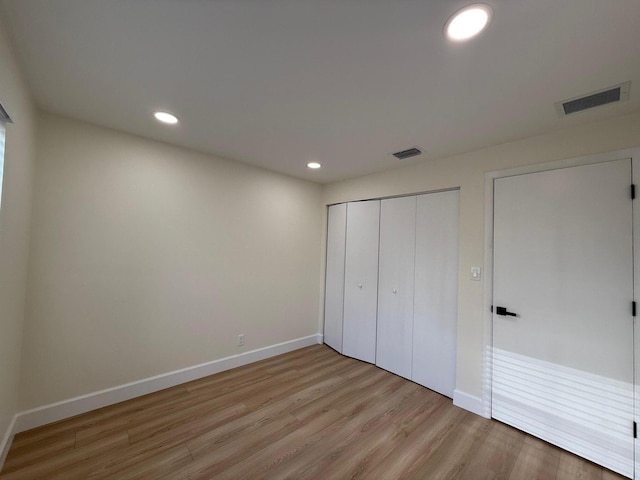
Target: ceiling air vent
(410,152)
(617,93)
(4,116)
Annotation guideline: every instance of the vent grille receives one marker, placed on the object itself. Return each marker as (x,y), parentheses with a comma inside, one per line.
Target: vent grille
(617,93)
(410,152)
(4,116)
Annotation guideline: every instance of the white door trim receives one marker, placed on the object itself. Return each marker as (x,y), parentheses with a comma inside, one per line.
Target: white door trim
(633,153)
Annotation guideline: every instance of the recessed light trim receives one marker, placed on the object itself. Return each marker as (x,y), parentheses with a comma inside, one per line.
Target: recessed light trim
(468,22)
(166,117)
(313,165)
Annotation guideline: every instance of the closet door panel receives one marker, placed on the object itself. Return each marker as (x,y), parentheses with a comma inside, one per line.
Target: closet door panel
(361,280)
(334,290)
(436,292)
(395,287)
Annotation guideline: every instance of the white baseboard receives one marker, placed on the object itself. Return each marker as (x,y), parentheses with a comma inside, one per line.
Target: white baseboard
(5,444)
(85,403)
(468,402)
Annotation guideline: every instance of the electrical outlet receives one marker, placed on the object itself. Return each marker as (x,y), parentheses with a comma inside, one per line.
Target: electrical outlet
(241,340)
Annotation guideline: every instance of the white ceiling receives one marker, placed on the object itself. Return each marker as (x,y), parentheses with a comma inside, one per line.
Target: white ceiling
(279,83)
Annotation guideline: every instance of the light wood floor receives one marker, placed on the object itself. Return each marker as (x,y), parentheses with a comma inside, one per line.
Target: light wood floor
(309,414)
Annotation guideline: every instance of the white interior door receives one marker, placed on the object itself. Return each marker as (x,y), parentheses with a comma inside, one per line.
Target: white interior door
(436,292)
(361,280)
(563,353)
(395,285)
(334,288)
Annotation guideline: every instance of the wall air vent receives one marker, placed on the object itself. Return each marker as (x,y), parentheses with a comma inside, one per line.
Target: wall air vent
(410,152)
(4,116)
(615,94)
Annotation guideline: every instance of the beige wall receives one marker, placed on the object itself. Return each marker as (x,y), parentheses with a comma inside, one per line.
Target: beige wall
(147,258)
(14,227)
(467,172)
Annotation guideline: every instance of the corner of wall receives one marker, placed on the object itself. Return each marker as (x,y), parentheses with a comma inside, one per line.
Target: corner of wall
(19,161)
(7,439)
(468,402)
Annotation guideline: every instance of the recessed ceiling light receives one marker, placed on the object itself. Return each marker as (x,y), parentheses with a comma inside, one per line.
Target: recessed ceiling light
(313,165)
(468,22)
(166,117)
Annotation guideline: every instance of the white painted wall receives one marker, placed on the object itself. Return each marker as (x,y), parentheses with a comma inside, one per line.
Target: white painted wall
(147,258)
(14,228)
(467,172)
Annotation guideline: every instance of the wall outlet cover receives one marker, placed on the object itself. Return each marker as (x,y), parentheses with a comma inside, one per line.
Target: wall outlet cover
(476,273)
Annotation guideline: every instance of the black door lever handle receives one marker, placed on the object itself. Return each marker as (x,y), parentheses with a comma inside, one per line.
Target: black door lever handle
(504,312)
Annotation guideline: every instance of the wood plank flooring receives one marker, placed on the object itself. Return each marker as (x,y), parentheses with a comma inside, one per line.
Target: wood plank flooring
(308,414)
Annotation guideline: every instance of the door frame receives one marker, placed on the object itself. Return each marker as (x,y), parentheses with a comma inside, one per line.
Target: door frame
(634,155)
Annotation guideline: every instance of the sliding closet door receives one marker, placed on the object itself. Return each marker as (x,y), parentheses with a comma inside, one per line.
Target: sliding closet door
(395,296)
(436,292)
(361,280)
(334,291)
